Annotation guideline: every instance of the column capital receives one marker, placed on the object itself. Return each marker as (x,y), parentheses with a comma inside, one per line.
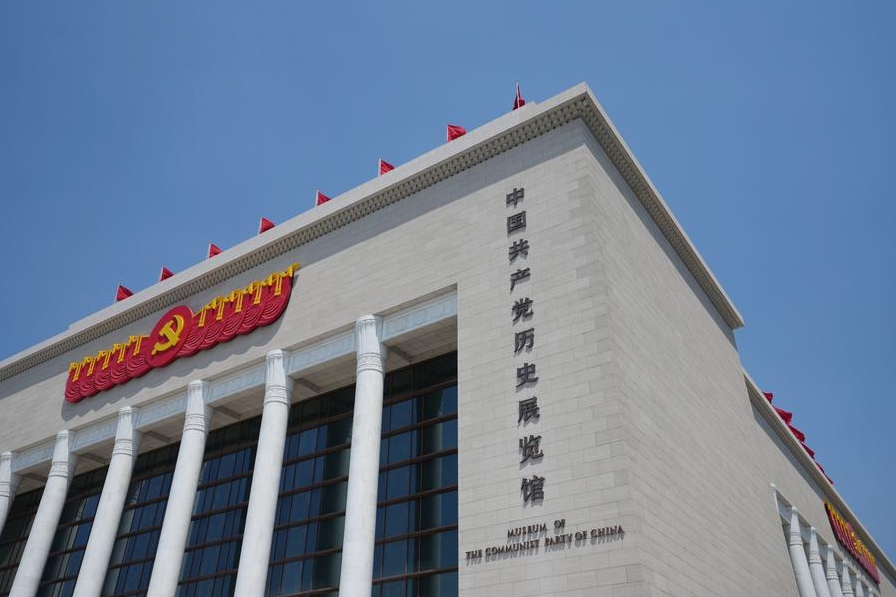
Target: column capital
(277,384)
(368,343)
(814,553)
(9,481)
(795,538)
(63,464)
(127,438)
(197,412)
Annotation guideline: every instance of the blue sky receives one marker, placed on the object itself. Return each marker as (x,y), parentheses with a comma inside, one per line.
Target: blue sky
(132,134)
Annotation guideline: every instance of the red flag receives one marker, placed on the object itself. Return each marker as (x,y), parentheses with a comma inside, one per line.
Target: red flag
(821,468)
(320,199)
(122,293)
(165,274)
(518,101)
(797,433)
(455,131)
(768,396)
(786,415)
(264,225)
(213,250)
(385,166)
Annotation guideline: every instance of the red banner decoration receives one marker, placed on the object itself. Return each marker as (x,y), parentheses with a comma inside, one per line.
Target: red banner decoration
(165,273)
(182,333)
(213,250)
(122,293)
(848,539)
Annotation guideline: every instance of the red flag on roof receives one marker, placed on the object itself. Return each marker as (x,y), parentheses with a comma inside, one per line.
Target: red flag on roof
(768,396)
(385,166)
(165,273)
(213,250)
(797,433)
(455,131)
(122,293)
(821,468)
(264,225)
(787,416)
(320,199)
(518,101)
(808,450)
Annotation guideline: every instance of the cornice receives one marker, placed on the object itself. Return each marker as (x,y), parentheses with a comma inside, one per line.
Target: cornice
(477,146)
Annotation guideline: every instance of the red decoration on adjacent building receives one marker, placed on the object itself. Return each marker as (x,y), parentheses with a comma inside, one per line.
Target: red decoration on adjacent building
(455,131)
(787,417)
(518,101)
(182,333)
(821,468)
(122,293)
(165,273)
(213,250)
(797,433)
(848,539)
(320,199)
(385,166)
(264,225)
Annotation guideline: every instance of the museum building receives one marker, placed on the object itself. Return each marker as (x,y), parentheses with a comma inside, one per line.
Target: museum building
(501,368)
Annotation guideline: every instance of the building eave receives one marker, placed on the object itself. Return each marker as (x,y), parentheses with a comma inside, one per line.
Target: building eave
(479,145)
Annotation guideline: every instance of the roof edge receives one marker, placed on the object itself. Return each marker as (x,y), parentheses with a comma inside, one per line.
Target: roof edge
(491,139)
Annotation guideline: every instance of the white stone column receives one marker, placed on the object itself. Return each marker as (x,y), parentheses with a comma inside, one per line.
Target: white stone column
(108,511)
(846,581)
(860,590)
(255,553)
(43,529)
(9,484)
(356,576)
(816,568)
(831,573)
(798,557)
(176,524)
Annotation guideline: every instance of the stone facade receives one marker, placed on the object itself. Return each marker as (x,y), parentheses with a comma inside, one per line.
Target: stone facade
(657,461)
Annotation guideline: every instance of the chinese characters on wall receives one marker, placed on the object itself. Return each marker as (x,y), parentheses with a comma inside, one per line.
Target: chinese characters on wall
(522,315)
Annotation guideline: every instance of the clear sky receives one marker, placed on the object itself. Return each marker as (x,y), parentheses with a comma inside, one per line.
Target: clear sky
(132,134)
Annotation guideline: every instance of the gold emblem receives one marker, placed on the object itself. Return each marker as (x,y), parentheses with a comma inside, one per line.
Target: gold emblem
(171,332)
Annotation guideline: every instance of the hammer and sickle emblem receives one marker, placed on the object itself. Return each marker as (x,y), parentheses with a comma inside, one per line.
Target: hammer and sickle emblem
(171,332)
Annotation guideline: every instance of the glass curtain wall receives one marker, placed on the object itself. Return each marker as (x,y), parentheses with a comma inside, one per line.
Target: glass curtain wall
(15,534)
(141,523)
(219,512)
(416,531)
(416,528)
(67,549)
